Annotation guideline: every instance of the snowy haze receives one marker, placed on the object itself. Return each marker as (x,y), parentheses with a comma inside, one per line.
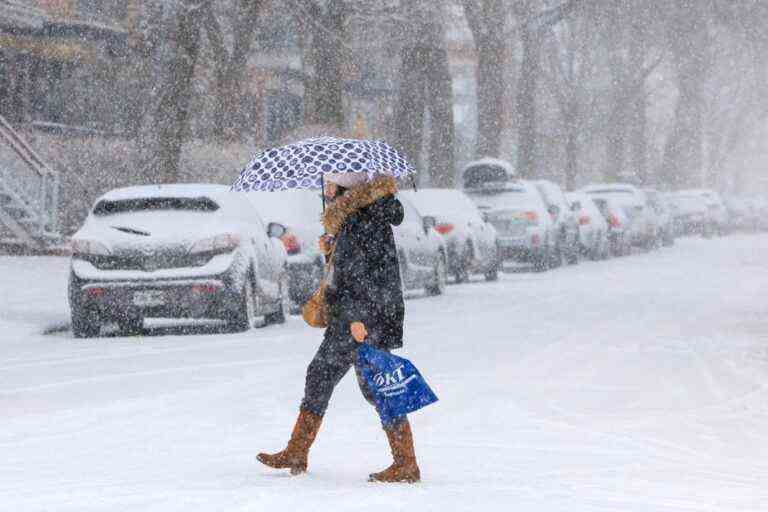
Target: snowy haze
(635,384)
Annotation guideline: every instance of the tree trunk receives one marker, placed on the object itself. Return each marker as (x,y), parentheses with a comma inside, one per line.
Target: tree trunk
(409,113)
(442,133)
(683,152)
(490,94)
(617,133)
(323,102)
(526,100)
(173,112)
(638,140)
(571,116)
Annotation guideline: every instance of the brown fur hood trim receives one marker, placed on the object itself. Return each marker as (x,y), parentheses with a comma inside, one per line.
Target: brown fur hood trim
(356,199)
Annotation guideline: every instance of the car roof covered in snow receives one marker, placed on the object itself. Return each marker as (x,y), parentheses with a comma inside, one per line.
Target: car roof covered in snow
(609,187)
(495,162)
(181,190)
(445,202)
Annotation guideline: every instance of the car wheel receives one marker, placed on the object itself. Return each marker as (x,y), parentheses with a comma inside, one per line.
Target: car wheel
(437,287)
(542,262)
(573,253)
(85,324)
(595,254)
(556,257)
(245,315)
(130,325)
(462,273)
(492,274)
(278,317)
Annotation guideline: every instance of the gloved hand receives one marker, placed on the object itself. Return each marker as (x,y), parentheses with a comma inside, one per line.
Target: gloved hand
(359,332)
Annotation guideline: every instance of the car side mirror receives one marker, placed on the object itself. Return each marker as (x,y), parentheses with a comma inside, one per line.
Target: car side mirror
(429,224)
(276,230)
(554,210)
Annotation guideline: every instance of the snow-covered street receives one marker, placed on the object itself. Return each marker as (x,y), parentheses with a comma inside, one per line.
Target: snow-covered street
(637,384)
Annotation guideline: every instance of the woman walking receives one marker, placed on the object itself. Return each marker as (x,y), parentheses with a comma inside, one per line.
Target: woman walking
(365,305)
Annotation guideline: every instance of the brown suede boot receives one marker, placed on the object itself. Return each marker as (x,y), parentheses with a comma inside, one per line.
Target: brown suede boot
(404,467)
(296,454)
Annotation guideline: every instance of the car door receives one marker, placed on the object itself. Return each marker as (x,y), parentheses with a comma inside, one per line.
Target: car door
(484,235)
(417,240)
(269,262)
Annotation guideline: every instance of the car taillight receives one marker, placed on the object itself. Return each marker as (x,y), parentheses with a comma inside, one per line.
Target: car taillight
(584,220)
(531,217)
(444,229)
(613,221)
(204,289)
(219,244)
(291,243)
(95,293)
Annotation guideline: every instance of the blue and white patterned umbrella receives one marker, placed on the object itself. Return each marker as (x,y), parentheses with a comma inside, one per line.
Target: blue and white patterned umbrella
(303,164)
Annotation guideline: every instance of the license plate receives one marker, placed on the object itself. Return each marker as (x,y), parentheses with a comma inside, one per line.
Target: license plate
(148,298)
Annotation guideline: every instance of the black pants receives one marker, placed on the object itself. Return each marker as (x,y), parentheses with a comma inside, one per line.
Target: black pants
(336,355)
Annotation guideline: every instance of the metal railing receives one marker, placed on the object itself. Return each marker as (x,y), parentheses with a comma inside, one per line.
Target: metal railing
(29,190)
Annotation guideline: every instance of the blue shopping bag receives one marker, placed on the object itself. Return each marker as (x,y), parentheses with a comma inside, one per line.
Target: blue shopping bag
(396,385)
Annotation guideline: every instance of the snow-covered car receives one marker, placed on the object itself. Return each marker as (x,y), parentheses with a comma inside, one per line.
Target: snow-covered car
(524,228)
(691,215)
(421,250)
(643,224)
(593,227)
(659,203)
(566,223)
(614,214)
(175,251)
(716,209)
(298,211)
(470,240)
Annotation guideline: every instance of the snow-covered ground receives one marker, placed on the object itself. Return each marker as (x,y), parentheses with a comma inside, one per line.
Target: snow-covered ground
(637,384)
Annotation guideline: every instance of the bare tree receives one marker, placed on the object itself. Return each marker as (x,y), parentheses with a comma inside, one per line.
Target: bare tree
(322,29)
(631,59)
(488,22)
(230,65)
(570,68)
(173,113)
(426,86)
(689,46)
(534,24)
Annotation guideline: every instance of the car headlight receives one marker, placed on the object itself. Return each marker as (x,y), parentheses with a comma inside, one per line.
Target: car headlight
(88,248)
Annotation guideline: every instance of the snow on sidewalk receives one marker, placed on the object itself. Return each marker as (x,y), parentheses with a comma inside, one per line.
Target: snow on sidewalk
(633,384)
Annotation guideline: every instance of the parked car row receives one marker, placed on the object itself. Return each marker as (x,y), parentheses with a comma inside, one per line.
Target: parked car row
(201,251)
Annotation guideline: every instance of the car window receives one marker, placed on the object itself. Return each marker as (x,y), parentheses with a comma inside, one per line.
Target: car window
(144,204)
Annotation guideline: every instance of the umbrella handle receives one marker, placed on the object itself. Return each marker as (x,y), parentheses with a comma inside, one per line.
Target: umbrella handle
(322,189)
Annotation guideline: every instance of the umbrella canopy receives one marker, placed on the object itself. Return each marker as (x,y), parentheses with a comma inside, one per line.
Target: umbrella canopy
(303,164)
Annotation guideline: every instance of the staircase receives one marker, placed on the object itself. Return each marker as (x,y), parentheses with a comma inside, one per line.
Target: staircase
(29,196)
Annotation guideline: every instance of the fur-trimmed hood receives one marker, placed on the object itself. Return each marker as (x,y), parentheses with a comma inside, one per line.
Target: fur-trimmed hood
(355,199)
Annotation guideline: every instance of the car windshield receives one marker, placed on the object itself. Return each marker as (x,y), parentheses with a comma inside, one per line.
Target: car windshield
(145,204)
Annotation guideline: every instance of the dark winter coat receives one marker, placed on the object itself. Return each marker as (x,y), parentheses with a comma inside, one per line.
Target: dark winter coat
(366,285)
